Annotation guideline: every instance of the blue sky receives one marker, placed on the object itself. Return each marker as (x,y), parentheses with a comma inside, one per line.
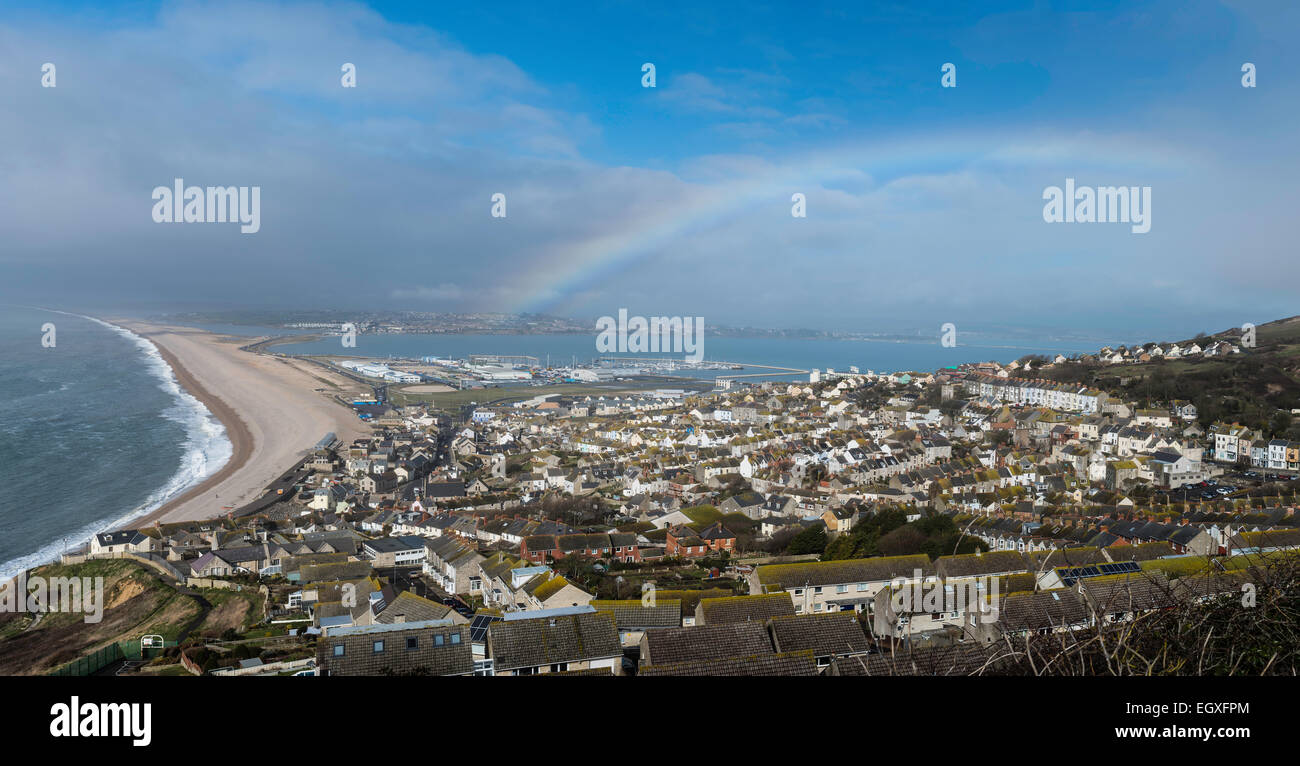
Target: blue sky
(924,203)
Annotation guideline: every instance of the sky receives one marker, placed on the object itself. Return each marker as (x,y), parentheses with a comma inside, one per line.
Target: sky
(923,204)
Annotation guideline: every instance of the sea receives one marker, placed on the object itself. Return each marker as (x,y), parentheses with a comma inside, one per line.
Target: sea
(95,431)
(881,356)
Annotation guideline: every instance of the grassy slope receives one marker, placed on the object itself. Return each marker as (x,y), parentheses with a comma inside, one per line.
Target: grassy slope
(136,602)
(1249,388)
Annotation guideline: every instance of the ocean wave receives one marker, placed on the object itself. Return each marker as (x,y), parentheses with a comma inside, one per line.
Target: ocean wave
(205,450)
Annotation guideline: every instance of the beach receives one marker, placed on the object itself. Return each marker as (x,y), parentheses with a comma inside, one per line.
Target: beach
(274,410)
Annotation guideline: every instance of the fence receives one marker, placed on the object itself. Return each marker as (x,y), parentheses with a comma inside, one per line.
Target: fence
(84,666)
(107,655)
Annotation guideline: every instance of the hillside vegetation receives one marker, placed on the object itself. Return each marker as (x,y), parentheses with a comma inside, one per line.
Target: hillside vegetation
(1256,388)
(136,602)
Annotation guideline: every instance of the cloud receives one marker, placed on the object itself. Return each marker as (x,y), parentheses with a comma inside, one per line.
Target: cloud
(381,195)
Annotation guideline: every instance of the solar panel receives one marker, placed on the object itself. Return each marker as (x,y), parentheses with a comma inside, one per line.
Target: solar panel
(1071,575)
(478,627)
(1120,567)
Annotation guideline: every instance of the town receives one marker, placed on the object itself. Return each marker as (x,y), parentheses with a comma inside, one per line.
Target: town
(764,529)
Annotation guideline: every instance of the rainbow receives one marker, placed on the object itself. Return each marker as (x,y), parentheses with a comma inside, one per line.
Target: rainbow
(554,279)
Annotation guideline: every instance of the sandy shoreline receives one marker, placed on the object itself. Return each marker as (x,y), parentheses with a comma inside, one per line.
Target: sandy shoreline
(241,440)
(271,408)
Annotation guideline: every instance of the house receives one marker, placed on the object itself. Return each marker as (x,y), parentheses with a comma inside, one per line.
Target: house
(801,663)
(827,636)
(453,564)
(683,541)
(394,552)
(407,607)
(121,541)
(838,520)
(1040,613)
(549,590)
(718,538)
(555,641)
(633,617)
(225,562)
(540,548)
(843,585)
(756,608)
(625,547)
(1123,597)
(425,648)
(964,659)
(670,646)
(750,503)
(1264,541)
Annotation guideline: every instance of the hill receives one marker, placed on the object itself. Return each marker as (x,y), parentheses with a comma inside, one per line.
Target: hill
(1257,388)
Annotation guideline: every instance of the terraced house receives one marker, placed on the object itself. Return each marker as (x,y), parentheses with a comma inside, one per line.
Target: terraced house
(557,641)
(426,648)
(835,586)
(453,564)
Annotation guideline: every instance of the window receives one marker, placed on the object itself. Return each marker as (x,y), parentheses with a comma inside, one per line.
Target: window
(338,650)
(412,643)
(438,639)
(455,638)
(841,589)
(559,667)
(862,587)
(817,591)
(379,647)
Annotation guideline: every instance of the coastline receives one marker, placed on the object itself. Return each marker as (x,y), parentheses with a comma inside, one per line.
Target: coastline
(273,411)
(241,439)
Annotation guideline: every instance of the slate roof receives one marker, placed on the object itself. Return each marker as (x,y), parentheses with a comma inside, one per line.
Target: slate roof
(121,537)
(630,614)
(1065,557)
(1045,609)
(816,573)
(413,608)
(1138,592)
(788,664)
(339,570)
(539,543)
(729,609)
(1143,551)
(956,660)
(704,642)
(823,634)
(440,649)
(551,640)
(1209,584)
(973,565)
